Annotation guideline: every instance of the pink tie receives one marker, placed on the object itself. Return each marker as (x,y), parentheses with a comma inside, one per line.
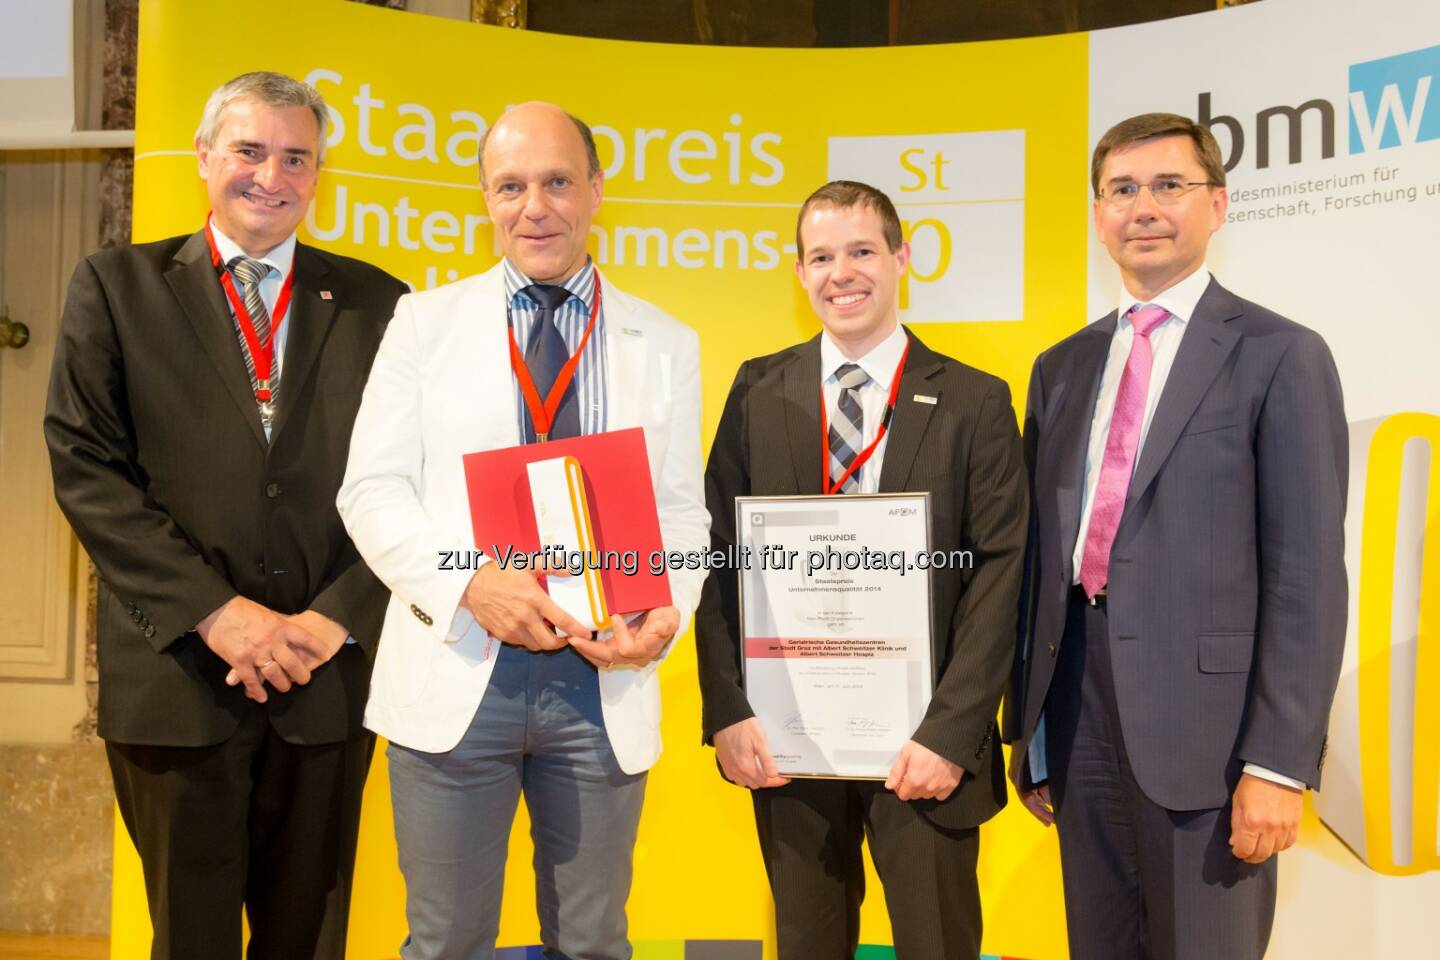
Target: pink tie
(1120,447)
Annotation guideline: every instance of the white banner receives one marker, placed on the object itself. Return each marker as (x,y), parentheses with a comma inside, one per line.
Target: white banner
(1328,115)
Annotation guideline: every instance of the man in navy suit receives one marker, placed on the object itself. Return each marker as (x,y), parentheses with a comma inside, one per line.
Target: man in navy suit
(1186,595)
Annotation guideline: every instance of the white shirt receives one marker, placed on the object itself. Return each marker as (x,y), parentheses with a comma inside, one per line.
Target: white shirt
(1180,301)
(880,365)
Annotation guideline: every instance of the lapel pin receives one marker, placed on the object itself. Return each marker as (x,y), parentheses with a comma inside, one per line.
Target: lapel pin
(921,398)
(326,295)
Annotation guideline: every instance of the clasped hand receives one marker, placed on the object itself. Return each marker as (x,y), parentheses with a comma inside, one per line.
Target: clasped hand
(264,646)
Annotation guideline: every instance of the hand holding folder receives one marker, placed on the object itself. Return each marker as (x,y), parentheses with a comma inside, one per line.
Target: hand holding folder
(596,501)
(513,607)
(631,646)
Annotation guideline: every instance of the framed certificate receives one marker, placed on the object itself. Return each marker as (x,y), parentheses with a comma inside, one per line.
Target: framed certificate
(835,627)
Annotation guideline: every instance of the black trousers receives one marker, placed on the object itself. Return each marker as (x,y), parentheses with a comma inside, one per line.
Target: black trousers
(1141,882)
(254,823)
(810,836)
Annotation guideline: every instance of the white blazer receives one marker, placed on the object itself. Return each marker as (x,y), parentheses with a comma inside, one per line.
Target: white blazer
(440,388)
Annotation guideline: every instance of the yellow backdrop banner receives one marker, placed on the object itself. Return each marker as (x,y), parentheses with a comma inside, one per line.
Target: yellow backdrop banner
(708,153)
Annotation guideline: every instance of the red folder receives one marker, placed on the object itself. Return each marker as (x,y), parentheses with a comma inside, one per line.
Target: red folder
(622,508)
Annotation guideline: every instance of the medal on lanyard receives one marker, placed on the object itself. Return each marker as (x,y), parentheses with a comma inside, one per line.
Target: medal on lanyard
(542,412)
(826,486)
(262,355)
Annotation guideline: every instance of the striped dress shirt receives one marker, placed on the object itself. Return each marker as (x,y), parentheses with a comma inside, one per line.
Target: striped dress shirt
(571,318)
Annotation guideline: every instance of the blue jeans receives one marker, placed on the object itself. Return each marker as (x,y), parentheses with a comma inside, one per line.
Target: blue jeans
(538,730)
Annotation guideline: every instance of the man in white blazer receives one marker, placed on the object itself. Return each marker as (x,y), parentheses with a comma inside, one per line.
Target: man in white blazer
(481,701)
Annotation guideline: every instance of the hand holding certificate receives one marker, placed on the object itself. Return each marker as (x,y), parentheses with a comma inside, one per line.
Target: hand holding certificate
(835,626)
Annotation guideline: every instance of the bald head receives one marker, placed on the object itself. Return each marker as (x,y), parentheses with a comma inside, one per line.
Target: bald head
(542,121)
(542,184)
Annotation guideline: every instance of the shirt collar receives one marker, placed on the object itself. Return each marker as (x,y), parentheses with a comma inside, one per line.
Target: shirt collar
(279,259)
(879,363)
(1179,300)
(580,285)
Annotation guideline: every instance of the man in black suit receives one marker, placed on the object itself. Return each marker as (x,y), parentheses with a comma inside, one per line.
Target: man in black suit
(199,417)
(953,433)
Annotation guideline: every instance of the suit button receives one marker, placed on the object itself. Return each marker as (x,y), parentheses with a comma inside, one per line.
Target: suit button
(1051,649)
(272,490)
(149,631)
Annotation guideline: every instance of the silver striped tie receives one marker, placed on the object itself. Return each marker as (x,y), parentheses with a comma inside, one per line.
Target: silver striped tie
(847,428)
(249,273)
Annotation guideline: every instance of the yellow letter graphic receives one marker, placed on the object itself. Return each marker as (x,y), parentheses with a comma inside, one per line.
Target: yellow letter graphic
(1378,561)
(942,256)
(910,167)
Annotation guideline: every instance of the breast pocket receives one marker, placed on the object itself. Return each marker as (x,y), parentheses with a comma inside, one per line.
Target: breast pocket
(1208,421)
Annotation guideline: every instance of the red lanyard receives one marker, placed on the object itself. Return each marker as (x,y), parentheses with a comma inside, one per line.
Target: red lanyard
(261,354)
(542,413)
(826,486)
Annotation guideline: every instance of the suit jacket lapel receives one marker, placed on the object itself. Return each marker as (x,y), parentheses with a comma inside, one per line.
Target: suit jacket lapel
(1203,349)
(911,417)
(1072,426)
(309,322)
(799,424)
(195,283)
(626,352)
(476,365)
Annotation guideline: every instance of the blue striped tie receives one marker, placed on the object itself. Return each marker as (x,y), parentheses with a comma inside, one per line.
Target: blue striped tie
(545,354)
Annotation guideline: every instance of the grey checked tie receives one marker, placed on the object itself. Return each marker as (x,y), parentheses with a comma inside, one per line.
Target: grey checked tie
(249,273)
(847,428)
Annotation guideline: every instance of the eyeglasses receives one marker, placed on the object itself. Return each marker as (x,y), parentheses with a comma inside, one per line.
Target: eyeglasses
(1164,192)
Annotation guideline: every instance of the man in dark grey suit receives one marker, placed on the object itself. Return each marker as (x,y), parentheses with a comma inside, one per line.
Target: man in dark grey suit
(1185,602)
(198,430)
(953,433)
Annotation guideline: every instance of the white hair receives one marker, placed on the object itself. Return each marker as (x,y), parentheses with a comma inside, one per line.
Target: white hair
(271,89)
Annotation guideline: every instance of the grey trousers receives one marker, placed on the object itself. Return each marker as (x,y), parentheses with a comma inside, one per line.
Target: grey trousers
(538,731)
(1141,882)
